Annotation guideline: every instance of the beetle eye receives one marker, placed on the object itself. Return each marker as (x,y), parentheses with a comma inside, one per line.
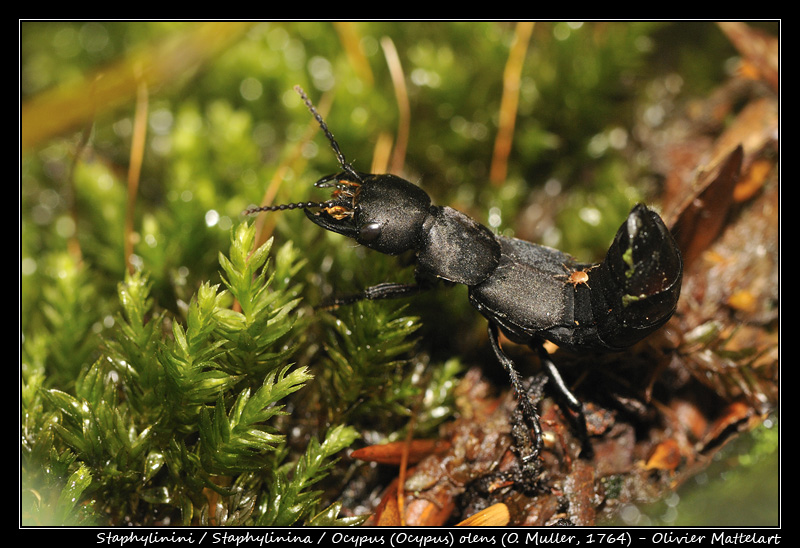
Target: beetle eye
(370,232)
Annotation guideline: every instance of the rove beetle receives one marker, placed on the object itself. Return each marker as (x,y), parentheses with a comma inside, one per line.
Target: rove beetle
(520,287)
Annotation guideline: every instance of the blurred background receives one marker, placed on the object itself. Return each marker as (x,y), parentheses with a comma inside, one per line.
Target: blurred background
(141,143)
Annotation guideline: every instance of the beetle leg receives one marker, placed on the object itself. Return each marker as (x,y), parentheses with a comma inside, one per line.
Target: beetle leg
(528,411)
(568,398)
(376,292)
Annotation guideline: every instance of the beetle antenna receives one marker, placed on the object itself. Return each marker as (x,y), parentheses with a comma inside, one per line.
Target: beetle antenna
(334,145)
(284,207)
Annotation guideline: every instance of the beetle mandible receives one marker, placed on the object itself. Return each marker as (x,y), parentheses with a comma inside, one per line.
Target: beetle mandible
(518,286)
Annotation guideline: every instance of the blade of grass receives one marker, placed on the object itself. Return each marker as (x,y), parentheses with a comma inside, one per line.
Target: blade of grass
(509,102)
(403,108)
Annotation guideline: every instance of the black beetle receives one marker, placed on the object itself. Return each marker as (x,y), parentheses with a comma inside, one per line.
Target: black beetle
(530,292)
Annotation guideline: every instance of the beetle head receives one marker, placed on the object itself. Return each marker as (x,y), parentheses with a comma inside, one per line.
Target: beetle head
(382,212)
